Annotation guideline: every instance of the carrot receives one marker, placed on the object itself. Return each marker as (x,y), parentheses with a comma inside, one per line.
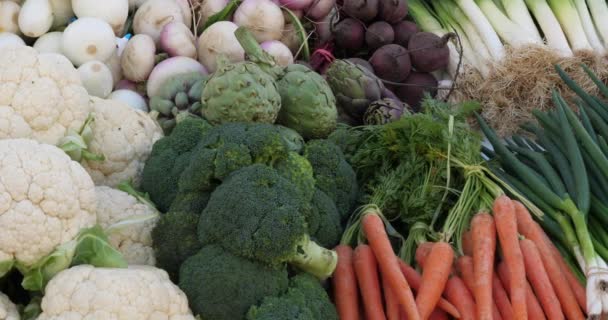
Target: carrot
(457,292)
(464,264)
(501,298)
(438,314)
(373,226)
(366,269)
(537,275)
(437,267)
(422,252)
(506,228)
(415,279)
(467,243)
(392,306)
(484,249)
(344,281)
(535,311)
(530,229)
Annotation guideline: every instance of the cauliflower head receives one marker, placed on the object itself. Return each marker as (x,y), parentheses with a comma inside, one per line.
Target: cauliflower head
(135,240)
(124,136)
(41,95)
(8,310)
(45,200)
(138,293)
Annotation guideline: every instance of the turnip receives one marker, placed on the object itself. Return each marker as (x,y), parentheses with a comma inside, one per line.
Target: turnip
(114,65)
(138,58)
(291,38)
(364,10)
(49,42)
(262,17)
(35,18)
(365,64)
(429,52)
(125,84)
(391,62)
(219,39)
(281,53)
(392,11)
(186,11)
(350,34)
(62,12)
(134,4)
(404,30)
(96,77)
(153,15)
(413,88)
(121,44)
(8,39)
(319,9)
(378,34)
(209,8)
(131,98)
(88,39)
(169,68)
(9,17)
(325,27)
(295,4)
(114,12)
(177,40)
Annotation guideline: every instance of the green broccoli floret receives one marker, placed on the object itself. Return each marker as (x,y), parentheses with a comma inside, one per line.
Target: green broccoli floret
(333,174)
(169,157)
(174,239)
(323,220)
(315,296)
(281,308)
(222,286)
(298,171)
(257,214)
(294,140)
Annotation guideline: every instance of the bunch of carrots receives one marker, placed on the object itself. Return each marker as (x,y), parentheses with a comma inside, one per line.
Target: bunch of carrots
(509,269)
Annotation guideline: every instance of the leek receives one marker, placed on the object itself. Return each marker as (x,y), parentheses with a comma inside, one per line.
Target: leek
(588,27)
(483,26)
(552,30)
(509,31)
(599,10)
(566,13)
(518,12)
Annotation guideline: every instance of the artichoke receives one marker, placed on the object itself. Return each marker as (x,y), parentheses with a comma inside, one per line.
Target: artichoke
(355,88)
(308,104)
(384,111)
(178,97)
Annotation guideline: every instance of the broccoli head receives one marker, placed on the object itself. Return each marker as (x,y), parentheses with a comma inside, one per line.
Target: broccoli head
(168,158)
(323,220)
(279,308)
(258,214)
(315,296)
(222,286)
(333,174)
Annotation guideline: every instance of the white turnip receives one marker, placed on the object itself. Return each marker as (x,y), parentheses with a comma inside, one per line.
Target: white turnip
(138,58)
(35,18)
(262,17)
(281,53)
(62,12)
(8,39)
(114,65)
(88,39)
(209,8)
(153,15)
(219,39)
(177,40)
(9,17)
(131,98)
(169,68)
(49,42)
(96,77)
(114,12)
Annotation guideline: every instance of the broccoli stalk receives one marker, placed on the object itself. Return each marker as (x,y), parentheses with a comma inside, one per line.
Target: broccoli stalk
(314,259)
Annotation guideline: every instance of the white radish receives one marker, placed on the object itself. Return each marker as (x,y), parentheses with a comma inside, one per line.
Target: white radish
(88,39)
(114,12)
(281,53)
(96,77)
(169,68)
(263,18)
(49,42)
(9,17)
(35,18)
(8,39)
(62,12)
(219,39)
(209,8)
(153,15)
(138,58)
(176,39)
(131,98)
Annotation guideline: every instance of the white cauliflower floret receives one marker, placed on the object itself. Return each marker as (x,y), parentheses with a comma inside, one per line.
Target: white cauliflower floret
(8,310)
(137,293)
(45,200)
(124,136)
(41,95)
(133,241)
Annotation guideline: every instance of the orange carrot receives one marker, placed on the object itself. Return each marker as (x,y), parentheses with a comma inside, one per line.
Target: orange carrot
(467,243)
(535,311)
(464,264)
(506,228)
(373,226)
(438,314)
(414,279)
(457,292)
(501,298)
(530,229)
(344,280)
(437,267)
(537,275)
(392,306)
(422,252)
(484,250)
(366,269)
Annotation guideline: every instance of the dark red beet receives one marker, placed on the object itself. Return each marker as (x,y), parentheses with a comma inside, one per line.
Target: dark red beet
(392,11)
(364,10)
(378,34)
(413,88)
(428,51)
(391,62)
(362,63)
(404,30)
(349,34)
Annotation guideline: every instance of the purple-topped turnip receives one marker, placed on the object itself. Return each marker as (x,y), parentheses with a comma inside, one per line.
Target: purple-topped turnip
(378,34)
(349,34)
(319,9)
(404,30)
(428,51)
(364,10)
(391,62)
(392,11)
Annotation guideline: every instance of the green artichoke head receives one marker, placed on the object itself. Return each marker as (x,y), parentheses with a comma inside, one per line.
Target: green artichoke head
(384,111)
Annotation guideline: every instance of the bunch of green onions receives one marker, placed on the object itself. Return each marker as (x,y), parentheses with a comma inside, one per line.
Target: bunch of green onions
(485,27)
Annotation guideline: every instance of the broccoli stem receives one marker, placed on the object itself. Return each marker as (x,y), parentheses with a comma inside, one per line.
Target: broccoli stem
(314,259)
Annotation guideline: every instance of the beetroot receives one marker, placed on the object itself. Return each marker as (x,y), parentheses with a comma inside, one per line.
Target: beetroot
(413,88)
(404,30)
(391,62)
(364,10)
(349,34)
(392,11)
(378,34)
(362,63)
(428,51)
